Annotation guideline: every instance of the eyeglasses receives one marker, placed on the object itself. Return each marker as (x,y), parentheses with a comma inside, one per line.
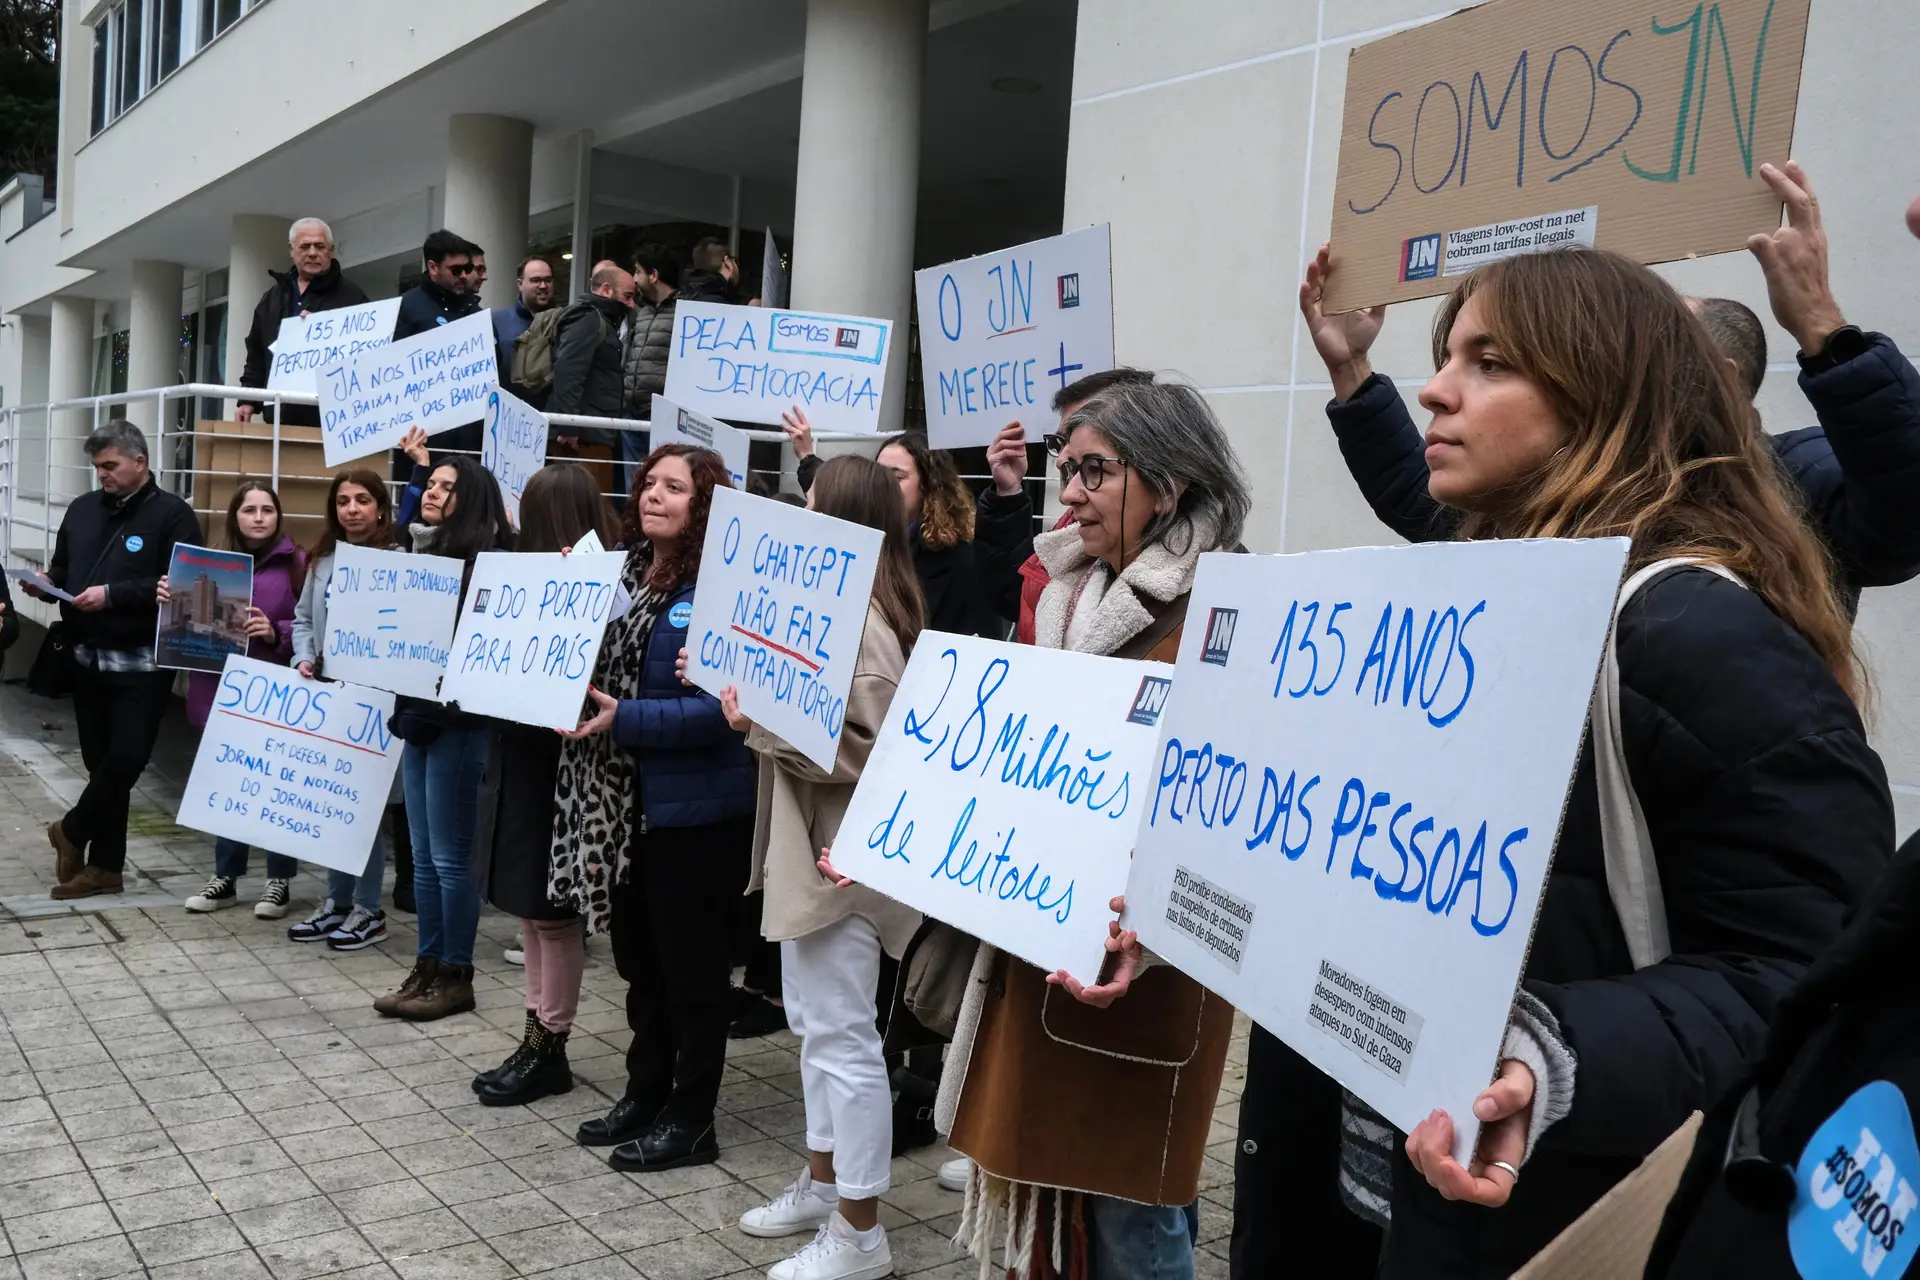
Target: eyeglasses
(1092,468)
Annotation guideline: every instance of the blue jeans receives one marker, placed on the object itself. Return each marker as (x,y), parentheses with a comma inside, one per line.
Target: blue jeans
(362,890)
(1139,1241)
(442,781)
(230,859)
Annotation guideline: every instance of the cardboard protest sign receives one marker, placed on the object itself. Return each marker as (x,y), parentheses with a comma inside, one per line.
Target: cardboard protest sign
(1522,125)
(673,424)
(513,446)
(1000,333)
(294,766)
(1004,791)
(310,343)
(779,614)
(204,621)
(753,363)
(433,380)
(390,619)
(530,633)
(1357,796)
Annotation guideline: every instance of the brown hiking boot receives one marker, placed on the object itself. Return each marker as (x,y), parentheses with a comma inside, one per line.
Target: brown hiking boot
(68,857)
(425,969)
(87,883)
(451,992)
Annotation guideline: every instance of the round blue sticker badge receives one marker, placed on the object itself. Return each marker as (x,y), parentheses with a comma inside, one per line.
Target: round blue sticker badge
(681,614)
(135,542)
(1856,1191)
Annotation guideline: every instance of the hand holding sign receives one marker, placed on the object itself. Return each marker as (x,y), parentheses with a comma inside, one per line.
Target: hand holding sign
(1794,260)
(1343,340)
(1505,1111)
(1123,946)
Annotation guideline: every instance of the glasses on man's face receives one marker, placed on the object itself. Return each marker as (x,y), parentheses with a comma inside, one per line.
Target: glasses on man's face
(461,268)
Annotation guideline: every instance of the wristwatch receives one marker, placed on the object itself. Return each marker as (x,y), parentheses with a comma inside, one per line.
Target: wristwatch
(1842,345)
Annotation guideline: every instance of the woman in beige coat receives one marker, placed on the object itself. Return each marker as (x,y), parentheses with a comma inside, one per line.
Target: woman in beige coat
(831,939)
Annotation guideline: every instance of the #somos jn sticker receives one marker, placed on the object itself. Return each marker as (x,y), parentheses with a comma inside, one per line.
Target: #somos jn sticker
(1855,1191)
(681,614)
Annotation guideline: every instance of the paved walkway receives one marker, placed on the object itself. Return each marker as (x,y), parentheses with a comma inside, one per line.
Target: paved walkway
(186,1096)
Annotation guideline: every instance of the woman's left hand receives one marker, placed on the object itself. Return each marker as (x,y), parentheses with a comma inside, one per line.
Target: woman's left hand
(826,869)
(1124,943)
(680,669)
(259,626)
(730,708)
(602,719)
(1504,1110)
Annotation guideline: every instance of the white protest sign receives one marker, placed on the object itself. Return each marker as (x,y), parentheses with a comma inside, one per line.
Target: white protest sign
(675,425)
(779,614)
(529,635)
(433,380)
(390,617)
(310,343)
(294,766)
(1000,333)
(753,363)
(514,446)
(1357,795)
(1004,791)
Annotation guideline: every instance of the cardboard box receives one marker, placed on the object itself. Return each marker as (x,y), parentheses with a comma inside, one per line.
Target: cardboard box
(1522,125)
(227,452)
(1613,1239)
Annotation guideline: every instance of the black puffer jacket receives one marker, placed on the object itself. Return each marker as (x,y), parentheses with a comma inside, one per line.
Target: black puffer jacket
(329,291)
(1770,817)
(1858,472)
(649,347)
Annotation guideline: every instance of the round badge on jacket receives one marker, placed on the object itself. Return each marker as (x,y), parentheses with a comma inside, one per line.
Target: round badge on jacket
(1856,1191)
(135,542)
(681,614)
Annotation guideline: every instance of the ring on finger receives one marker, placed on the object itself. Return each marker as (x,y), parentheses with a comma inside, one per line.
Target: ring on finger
(1502,1164)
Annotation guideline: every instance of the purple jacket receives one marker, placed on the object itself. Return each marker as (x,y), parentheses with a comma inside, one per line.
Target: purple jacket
(277,578)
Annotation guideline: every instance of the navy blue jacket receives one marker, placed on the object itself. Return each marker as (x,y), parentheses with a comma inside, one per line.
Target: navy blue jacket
(694,769)
(1858,472)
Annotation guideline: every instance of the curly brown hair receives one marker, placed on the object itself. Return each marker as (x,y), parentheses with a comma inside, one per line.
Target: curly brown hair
(946,504)
(670,571)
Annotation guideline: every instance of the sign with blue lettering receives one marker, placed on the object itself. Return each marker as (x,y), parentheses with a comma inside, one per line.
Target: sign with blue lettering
(1004,791)
(779,614)
(1855,1191)
(1001,333)
(675,425)
(433,380)
(390,618)
(529,633)
(752,363)
(294,766)
(513,445)
(1357,792)
(310,343)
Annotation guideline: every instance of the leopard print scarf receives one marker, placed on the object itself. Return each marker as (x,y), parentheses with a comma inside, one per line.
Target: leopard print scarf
(594,795)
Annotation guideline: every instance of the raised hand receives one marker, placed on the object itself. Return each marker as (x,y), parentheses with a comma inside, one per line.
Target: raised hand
(1794,260)
(1342,340)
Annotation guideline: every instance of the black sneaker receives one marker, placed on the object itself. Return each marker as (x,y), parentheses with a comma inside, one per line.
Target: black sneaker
(761,1017)
(361,928)
(325,919)
(220,892)
(273,902)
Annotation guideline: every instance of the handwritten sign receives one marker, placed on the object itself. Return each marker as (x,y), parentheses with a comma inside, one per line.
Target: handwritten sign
(310,343)
(1522,125)
(675,425)
(209,598)
(1357,796)
(1001,333)
(753,363)
(433,380)
(529,634)
(390,618)
(294,766)
(1004,791)
(513,447)
(779,615)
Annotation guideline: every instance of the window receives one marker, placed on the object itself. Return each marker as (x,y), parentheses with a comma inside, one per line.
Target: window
(217,15)
(139,43)
(166,49)
(102,77)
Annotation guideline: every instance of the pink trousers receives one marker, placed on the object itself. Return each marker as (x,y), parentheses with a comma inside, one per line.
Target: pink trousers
(556,954)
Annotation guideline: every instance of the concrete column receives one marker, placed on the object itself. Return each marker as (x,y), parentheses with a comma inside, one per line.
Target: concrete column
(69,377)
(35,334)
(256,244)
(859,167)
(153,342)
(580,266)
(489,184)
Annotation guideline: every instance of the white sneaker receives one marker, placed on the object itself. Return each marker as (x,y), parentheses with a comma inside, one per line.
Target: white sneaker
(954,1173)
(835,1254)
(800,1208)
(515,955)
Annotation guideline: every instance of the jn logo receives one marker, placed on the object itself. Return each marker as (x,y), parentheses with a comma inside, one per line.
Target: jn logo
(1220,627)
(480,600)
(1150,700)
(1420,258)
(1069,290)
(847,338)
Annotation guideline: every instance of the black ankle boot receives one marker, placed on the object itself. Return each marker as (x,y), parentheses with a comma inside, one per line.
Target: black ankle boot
(520,1051)
(542,1073)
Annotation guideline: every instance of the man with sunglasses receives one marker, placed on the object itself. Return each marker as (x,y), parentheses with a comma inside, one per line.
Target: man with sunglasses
(450,292)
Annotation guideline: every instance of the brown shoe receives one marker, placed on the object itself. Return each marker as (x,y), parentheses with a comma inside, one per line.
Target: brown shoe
(68,856)
(451,992)
(425,969)
(90,882)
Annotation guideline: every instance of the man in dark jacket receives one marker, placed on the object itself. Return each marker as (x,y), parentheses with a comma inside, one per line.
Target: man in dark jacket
(656,276)
(9,620)
(587,366)
(534,284)
(313,284)
(450,292)
(113,548)
(706,278)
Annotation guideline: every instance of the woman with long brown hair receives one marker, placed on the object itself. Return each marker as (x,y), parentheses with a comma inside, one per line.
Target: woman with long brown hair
(664,870)
(1578,396)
